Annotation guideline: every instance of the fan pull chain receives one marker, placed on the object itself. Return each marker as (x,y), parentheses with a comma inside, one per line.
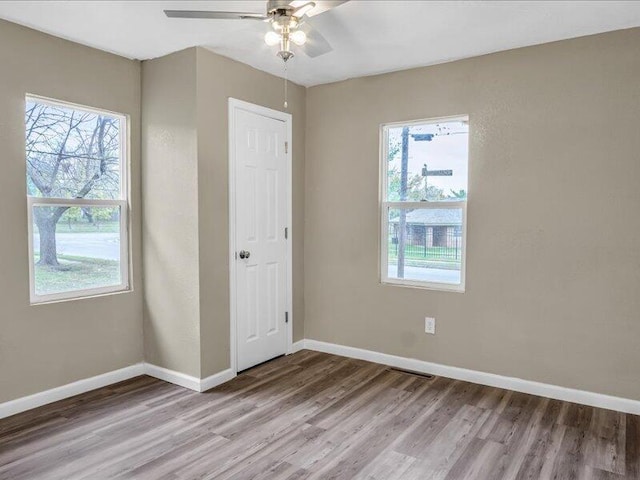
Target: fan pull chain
(286,104)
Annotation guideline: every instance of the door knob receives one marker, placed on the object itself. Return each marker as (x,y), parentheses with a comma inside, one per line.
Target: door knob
(244,254)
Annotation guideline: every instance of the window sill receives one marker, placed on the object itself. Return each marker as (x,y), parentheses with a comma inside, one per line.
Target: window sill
(88,296)
(439,287)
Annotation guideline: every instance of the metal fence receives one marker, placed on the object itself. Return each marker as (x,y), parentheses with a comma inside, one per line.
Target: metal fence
(430,242)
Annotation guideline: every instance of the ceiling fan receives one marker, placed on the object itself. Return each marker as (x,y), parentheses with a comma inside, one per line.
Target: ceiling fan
(289,21)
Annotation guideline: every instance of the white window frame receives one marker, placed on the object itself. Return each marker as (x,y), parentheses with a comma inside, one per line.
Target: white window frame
(122,203)
(386,205)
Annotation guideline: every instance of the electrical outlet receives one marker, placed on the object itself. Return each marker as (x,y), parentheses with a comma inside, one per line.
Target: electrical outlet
(430,325)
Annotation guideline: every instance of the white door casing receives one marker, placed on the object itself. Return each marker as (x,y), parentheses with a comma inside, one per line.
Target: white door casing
(260,218)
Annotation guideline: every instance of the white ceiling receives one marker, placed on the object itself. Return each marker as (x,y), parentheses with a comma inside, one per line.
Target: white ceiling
(368,36)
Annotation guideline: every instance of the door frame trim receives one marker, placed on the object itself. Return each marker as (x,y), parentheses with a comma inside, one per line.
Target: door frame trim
(234,105)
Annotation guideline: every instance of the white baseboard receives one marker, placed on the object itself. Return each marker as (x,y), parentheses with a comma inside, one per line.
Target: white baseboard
(172,376)
(510,383)
(188,381)
(216,379)
(69,390)
(23,404)
(297,346)
(626,405)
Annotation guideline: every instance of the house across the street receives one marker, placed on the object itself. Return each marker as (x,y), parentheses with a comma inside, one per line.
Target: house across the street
(431,227)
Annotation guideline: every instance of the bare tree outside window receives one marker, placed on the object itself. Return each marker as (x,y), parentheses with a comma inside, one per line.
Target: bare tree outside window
(74,180)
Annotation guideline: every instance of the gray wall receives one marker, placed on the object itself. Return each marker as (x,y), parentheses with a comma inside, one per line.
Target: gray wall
(553,261)
(218,79)
(186,234)
(553,264)
(46,346)
(170,222)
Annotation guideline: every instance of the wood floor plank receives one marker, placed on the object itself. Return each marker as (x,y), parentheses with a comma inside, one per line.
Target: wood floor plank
(310,416)
(432,424)
(265,460)
(389,465)
(477,461)
(360,453)
(542,453)
(570,462)
(632,446)
(521,438)
(607,446)
(450,444)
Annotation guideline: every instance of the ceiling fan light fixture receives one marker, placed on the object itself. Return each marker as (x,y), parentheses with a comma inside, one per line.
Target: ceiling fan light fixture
(299,37)
(285,17)
(272,38)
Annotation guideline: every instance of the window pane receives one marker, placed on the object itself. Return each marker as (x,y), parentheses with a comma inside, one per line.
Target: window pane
(436,162)
(75,248)
(425,244)
(72,153)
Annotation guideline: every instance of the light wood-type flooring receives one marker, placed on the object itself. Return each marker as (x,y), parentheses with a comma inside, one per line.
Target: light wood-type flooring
(317,416)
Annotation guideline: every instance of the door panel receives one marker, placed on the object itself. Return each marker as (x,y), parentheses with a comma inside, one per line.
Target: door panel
(272,295)
(261,206)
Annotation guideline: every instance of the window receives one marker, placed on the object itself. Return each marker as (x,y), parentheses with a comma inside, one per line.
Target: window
(77,200)
(424,198)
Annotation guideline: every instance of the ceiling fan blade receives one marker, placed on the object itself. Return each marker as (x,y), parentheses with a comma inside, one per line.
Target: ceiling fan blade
(321,5)
(303,9)
(316,44)
(214,15)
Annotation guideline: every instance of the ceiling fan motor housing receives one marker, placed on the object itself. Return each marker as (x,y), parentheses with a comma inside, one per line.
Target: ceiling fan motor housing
(273,6)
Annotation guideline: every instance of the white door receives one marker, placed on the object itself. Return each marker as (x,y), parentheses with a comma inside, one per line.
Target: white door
(261,213)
